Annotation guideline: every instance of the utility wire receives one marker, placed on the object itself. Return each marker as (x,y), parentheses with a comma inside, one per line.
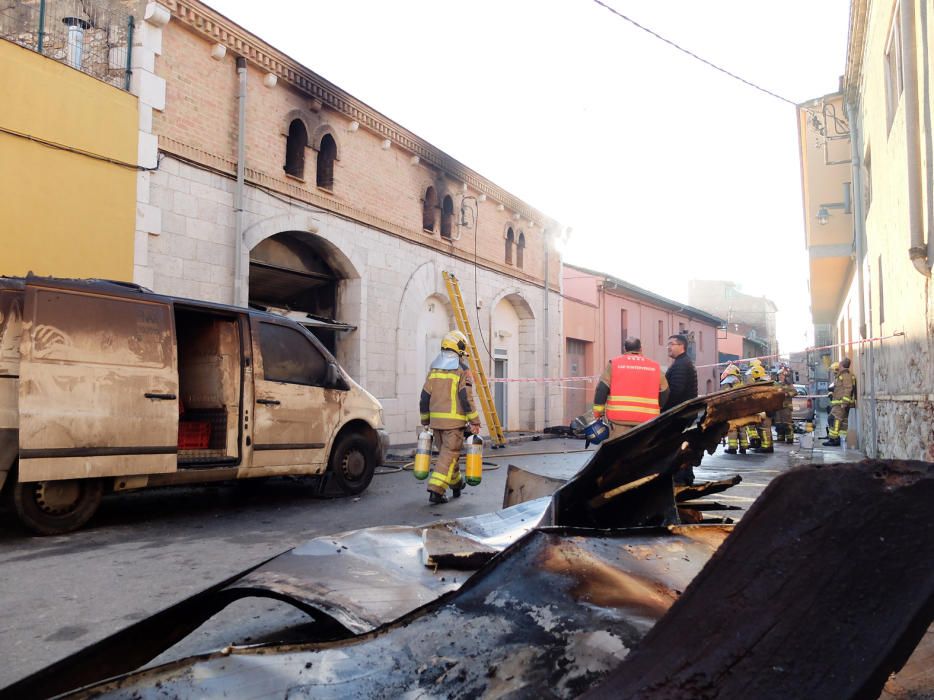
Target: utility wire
(78,151)
(694,55)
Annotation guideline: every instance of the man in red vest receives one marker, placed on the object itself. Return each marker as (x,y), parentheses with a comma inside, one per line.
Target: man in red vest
(631,389)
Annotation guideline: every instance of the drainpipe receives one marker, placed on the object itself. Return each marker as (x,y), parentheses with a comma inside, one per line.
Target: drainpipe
(238,291)
(918,252)
(928,149)
(546,365)
(859,233)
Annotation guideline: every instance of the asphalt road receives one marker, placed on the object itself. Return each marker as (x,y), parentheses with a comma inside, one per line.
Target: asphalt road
(148,550)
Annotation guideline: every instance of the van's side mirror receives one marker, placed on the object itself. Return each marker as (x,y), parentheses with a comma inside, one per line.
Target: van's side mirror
(333,378)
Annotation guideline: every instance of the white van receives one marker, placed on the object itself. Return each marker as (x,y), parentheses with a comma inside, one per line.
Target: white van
(106,386)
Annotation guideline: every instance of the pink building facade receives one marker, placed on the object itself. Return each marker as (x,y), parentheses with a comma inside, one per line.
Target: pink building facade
(601,311)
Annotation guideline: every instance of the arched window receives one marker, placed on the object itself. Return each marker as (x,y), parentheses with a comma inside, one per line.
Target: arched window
(520,250)
(429,209)
(447,217)
(510,241)
(327,154)
(295,149)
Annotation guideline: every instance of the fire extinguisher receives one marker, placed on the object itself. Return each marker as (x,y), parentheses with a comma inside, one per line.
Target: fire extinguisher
(423,455)
(474,459)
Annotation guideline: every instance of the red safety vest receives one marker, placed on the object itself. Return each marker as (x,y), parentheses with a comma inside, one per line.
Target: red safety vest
(634,381)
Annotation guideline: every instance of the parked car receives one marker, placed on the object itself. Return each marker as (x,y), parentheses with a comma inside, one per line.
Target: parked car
(802,407)
(106,386)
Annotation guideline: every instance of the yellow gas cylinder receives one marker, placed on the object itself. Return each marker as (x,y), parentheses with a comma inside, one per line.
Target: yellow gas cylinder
(423,455)
(474,459)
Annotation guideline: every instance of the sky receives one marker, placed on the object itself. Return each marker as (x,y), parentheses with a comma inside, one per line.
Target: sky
(665,169)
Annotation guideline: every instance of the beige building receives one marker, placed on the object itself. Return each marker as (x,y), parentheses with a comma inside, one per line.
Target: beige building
(274,187)
(749,320)
(867,155)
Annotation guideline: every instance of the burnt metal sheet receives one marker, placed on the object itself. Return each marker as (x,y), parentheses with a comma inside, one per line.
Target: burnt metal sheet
(629,481)
(443,548)
(367,578)
(823,590)
(550,617)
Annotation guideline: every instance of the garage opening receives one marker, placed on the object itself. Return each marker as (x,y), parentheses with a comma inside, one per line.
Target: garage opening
(298,275)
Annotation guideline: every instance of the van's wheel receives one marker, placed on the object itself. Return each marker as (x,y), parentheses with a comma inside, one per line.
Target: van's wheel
(352,464)
(56,507)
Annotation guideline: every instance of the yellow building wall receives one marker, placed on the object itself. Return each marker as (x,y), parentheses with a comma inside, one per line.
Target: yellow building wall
(63,213)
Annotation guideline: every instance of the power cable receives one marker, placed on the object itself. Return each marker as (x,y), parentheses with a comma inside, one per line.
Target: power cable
(77,151)
(694,55)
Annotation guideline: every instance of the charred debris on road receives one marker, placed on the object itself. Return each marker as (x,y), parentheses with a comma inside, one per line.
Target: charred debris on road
(824,589)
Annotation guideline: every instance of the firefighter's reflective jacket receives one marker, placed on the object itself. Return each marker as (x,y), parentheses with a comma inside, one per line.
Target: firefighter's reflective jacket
(447,397)
(630,390)
(844,389)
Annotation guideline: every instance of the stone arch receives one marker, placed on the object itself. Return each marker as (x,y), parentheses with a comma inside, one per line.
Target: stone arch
(320,131)
(348,288)
(301,115)
(522,397)
(424,282)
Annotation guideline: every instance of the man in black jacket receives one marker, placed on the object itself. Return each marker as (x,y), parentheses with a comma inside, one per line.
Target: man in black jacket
(681,374)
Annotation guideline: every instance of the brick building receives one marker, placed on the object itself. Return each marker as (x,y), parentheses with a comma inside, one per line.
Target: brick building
(345,218)
(601,311)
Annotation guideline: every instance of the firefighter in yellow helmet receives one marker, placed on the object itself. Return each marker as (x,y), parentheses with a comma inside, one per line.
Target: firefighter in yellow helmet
(842,399)
(784,425)
(731,378)
(758,375)
(446,406)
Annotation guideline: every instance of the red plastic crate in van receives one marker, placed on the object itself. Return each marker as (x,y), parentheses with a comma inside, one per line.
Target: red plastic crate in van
(194,435)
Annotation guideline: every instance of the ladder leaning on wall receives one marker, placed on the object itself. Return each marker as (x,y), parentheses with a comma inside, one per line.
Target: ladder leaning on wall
(476,366)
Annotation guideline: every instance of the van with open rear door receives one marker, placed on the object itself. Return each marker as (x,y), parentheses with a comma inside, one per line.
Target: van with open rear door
(106,386)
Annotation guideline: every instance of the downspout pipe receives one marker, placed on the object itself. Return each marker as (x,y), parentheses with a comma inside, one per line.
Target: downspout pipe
(918,251)
(928,147)
(546,365)
(859,236)
(238,291)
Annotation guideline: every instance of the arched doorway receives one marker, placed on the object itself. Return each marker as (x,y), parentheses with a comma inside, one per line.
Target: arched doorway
(433,323)
(302,274)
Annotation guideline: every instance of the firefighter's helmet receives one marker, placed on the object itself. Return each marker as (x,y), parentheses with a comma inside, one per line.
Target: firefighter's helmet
(456,341)
(730,371)
(834,367)
(755,362)
(758,373)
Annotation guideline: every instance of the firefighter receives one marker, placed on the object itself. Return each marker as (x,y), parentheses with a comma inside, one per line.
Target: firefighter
(631,389)
(784,424)
(758,375)
(731,378)
(842,400)
(447,407)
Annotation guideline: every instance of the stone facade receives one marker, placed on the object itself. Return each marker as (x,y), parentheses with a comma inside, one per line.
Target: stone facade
(880,297)
(366,228)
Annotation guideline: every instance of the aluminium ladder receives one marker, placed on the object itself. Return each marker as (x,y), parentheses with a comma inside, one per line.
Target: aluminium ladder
(476,366)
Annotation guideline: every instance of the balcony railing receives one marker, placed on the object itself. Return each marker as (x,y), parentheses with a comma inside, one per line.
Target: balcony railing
(93,36)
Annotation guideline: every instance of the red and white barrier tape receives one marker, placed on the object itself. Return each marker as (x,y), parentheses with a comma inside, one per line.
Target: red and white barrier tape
(718,364)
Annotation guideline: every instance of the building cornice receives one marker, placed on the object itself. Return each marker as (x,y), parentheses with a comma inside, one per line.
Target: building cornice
(219,29)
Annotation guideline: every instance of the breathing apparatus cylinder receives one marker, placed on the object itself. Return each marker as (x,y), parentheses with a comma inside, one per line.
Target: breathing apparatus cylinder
(474,459)
(423,455)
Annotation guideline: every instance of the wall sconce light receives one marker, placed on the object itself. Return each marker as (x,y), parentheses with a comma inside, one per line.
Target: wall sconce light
(414,160)
(353,126)
(500,207)
(270,80)
(481,198)
(386,145)
(823,213)
(218,51)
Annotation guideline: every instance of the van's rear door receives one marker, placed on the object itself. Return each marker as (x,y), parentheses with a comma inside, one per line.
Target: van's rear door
(98,390)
